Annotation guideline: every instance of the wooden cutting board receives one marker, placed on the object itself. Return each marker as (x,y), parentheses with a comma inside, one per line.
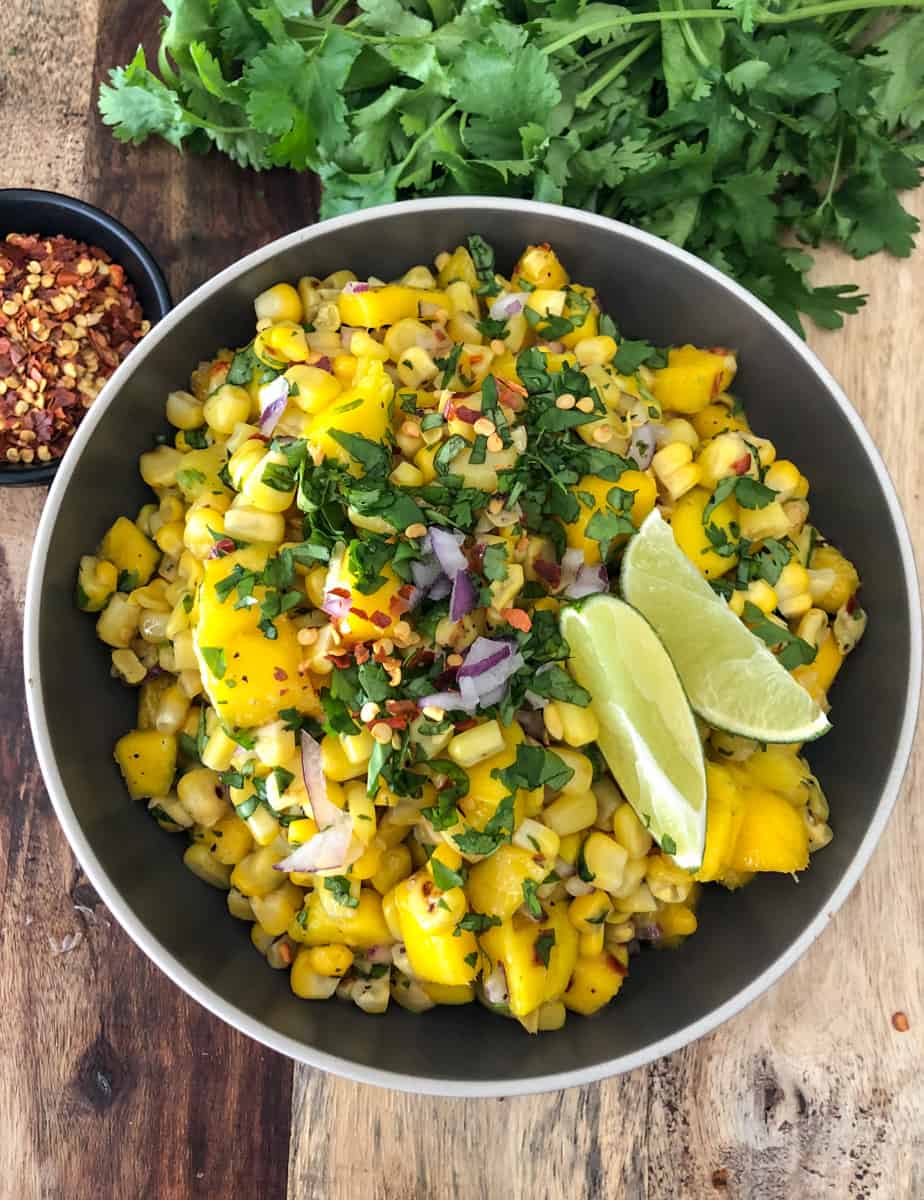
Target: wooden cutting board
(113,1084)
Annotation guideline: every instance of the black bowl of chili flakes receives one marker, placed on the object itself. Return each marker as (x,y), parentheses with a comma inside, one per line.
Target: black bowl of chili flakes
(77,291)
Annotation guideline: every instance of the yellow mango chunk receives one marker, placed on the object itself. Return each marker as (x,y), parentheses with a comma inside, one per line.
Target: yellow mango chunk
(540,266)
(363,928)
(516,945)
(588,327)
(443,993)
(817,676)
(495,885)
(594,983)
(772,835)
(724,814)
(690,534)
(437,956)
(387,305)
(362,409)
(247,676)
(637,482)
(147,760)
(781,769)
(198,473)
(126,547)
(365,621)
(565,951)
(693,378)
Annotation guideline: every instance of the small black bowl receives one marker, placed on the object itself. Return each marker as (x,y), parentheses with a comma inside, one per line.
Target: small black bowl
(28,211)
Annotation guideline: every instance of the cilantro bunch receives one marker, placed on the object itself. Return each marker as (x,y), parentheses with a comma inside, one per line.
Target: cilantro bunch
(716,125)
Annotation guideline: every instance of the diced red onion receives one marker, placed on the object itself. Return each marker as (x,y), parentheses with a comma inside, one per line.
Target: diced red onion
(575,886)
(471,695)
(484,654)
(324,364)
(535,701)
(425,573)
(336,605)
(649,932)
(464,598)
(447,548)
(531,722)
(495,986)
(642,446)
(450,701)
(571,563)
(494,696)
(355,285)
(346,336)
(441,589)
(466,414)
(564,870)
(331,849)
(325,812)
(273,399)
(378,954)
(508,304)
(589,581)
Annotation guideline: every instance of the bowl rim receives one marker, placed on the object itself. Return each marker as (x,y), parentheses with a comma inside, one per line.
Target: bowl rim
(206,995)
(34,474)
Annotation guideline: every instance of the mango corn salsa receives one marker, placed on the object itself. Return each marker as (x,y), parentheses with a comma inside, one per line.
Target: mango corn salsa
(339,610)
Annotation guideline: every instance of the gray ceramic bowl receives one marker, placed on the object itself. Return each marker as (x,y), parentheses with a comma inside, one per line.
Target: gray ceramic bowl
(746,940)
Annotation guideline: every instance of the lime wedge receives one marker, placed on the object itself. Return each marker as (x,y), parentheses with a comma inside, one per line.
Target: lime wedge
(647,730)
(730,676)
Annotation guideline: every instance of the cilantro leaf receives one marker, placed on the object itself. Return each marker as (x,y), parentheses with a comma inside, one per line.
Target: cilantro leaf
(794,651)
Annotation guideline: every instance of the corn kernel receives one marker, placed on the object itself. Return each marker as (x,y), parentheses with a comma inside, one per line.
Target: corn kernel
(793,591)
(591,943)
(476,744)
(605,859)
(675,470)
(630,832)
(579,725)
(198,859)
(394,865)
(279,303)
(666,880)
(534,836)
(571,812)
(588,912)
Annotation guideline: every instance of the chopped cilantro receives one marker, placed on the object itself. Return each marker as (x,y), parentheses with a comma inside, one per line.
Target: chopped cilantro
(339,888)
(543,948)
(215,660)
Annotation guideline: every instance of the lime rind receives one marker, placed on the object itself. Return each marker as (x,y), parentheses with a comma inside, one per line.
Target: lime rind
(732,679)
(648,733)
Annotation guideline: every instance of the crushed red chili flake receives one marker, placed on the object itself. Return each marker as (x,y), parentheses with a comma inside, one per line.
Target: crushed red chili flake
(68,317)
(900,1022)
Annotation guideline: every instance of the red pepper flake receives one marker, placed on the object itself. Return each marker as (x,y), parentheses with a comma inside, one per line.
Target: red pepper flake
(359,612)
(518,618)
(900,1022)
(716,387)
(344,593)
(461,726)
(285,953)
(463,413)
(401,708)
(361,653)
(742,464)
(67,319)
(851,605)
(280,674)
(393,722)
(398,605)
(222,547)
(382,620)
(340,660)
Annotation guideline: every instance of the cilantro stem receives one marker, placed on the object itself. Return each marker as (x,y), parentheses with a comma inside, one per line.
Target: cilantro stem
(808,13)
(422,137)
(584,98)
(835,171)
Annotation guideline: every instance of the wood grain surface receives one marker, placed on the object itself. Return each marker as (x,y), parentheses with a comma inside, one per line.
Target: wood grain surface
(113,1084)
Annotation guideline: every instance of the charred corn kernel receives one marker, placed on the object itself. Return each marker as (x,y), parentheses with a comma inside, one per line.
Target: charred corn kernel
(592,942)
(201,524)
(582,768)
(432,909)
(357,747)
(605,859)
(676,921)
(277,909)
(587,913)
(255,874)
(784,477)
(666,880)
(675,469)
(690,533)
(632,876)
(251,525)
(96,581)
(361,808)
(476,744)
(792,590)
(630,832)
(394,865)
(837,576)
(127,664)
(202,864)
(202,795)
(308,984)
(538,838)
(263,826)
(758,592)
(239,906)
(184,411)
(727,454)
(849,626)
(595,982)
(595,351)
(229,840)
(159,467)
(579,725)
(769,521)
(334,761)
(279,303)
(812,626)
(817,676)
(147,760)
(571,812)
(226,407)
(171,713)
(359,928)
(329,960)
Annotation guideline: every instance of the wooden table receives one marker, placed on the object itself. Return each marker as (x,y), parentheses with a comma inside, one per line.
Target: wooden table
(114,1084)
